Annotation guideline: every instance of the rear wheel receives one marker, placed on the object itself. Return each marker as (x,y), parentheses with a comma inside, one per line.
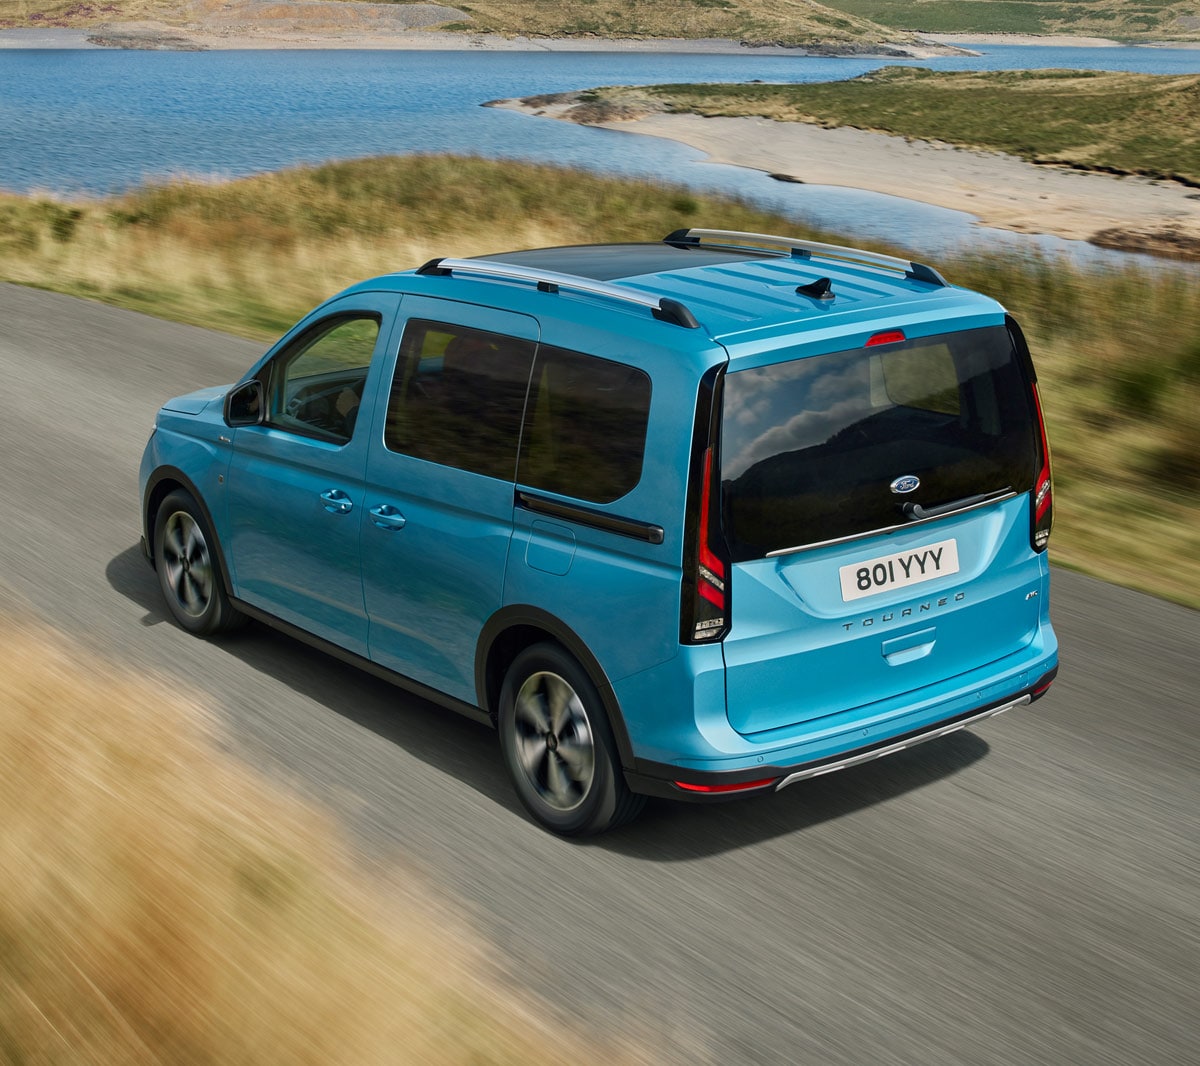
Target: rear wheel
(558,745)
(189,572)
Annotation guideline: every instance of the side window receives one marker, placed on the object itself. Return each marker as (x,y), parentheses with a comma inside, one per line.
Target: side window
(585,427)
(457,397)
(315,387)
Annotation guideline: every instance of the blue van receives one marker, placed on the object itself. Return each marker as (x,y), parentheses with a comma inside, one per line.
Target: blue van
(698,519)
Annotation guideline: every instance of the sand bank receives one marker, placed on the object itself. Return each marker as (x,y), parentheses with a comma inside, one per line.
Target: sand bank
(1139,214)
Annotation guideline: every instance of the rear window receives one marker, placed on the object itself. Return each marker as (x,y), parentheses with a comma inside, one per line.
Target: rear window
(810,448)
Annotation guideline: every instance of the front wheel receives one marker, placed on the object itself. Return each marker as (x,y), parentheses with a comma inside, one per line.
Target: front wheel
(558,746)
(189,572)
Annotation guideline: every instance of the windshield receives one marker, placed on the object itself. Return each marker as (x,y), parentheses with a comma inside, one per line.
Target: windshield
(810,448)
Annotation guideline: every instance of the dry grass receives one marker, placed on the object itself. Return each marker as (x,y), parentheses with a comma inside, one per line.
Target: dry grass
(250,256)
(792,22)
(162,904)
(1113,346)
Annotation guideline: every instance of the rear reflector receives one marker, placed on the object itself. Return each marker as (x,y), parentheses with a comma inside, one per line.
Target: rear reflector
(888,336)
(742,786)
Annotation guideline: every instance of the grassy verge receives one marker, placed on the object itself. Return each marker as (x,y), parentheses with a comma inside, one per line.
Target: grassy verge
(1142,124)
(161,903)
(1117,349)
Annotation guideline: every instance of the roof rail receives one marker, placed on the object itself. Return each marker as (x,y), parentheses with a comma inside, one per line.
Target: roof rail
(661,307)
(800,249)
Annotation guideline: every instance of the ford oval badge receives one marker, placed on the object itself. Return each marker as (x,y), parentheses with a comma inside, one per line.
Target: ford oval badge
(908,483)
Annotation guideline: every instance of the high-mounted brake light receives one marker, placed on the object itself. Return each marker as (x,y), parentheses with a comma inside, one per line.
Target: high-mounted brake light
(1043,489)
(888,336)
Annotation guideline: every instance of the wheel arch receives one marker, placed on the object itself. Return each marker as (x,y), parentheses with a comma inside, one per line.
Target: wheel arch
(514,628)
(160,485)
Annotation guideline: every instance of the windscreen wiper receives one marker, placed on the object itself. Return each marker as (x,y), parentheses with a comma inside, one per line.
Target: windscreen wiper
(914,512)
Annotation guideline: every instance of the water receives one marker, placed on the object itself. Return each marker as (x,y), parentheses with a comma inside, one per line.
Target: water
(97,120)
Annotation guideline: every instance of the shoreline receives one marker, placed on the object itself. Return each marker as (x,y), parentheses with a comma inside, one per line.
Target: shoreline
(396,29)
(1001,191)
(150,36)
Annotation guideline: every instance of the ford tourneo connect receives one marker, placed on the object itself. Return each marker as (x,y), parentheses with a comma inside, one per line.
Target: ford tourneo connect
(698,519)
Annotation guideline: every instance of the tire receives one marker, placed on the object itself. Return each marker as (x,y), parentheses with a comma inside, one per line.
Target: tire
(558,746)
(189,568)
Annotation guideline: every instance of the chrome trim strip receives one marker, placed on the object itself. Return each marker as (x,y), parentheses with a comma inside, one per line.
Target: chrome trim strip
(909,742)
(1009,495)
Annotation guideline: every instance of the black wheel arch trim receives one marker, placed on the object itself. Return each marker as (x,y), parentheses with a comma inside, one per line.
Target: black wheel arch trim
(172,473)
(525,615)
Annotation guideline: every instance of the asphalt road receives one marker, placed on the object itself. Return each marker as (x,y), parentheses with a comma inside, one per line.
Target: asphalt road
(1028,892)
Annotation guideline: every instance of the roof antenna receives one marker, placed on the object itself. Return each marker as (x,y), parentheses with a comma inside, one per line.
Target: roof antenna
(821,289)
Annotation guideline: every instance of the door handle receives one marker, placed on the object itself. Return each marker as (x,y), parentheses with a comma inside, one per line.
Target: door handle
(335,501)
(385,516)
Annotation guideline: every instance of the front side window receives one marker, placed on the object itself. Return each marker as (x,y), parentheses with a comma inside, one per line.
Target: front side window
(585,427)
(315,387)
(810,447)
(458,396)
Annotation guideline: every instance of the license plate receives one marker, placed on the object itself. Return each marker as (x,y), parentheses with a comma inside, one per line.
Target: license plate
(899,569)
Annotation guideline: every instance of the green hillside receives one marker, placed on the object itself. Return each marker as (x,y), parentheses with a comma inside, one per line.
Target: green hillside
(1121,19)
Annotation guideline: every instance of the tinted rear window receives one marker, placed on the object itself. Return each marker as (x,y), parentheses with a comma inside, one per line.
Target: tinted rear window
(810,447)
(585,426)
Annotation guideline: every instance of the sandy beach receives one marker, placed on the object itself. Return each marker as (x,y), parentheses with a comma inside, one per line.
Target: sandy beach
(1162,217)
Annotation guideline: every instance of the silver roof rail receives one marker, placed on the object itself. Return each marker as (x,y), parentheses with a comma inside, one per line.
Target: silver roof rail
(800,249)
(661,307)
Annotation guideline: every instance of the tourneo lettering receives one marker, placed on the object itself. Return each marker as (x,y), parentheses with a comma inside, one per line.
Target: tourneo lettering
(899,570)
(907,612)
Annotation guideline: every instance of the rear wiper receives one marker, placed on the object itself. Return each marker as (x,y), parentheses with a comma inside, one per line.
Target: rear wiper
(914,512)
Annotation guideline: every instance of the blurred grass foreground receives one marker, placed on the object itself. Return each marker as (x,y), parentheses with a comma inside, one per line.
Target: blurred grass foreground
(159,903)
(1117,347)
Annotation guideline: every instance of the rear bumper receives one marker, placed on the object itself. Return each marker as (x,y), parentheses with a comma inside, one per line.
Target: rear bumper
(675,782)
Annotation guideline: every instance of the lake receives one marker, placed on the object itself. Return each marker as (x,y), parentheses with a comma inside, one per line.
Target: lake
(99,120)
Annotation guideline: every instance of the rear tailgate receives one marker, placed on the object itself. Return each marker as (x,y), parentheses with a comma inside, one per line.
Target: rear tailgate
(876,509)
(798,650)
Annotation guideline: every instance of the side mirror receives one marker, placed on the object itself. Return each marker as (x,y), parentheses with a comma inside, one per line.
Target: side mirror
(244,404)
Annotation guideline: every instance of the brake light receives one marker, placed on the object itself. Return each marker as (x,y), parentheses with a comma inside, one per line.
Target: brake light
(1043,489)
(888,336)
(705,592)
(711,576)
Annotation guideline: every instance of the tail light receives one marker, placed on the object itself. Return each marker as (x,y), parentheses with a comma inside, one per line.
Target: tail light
(704,592)
(1043,490)
(705,580)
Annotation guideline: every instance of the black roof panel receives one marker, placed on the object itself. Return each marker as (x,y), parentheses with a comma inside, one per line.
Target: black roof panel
(613,262)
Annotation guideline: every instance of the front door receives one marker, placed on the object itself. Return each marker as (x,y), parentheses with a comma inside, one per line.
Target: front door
(295,483)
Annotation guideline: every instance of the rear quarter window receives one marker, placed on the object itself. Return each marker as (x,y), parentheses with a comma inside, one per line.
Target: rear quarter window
(585,426)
